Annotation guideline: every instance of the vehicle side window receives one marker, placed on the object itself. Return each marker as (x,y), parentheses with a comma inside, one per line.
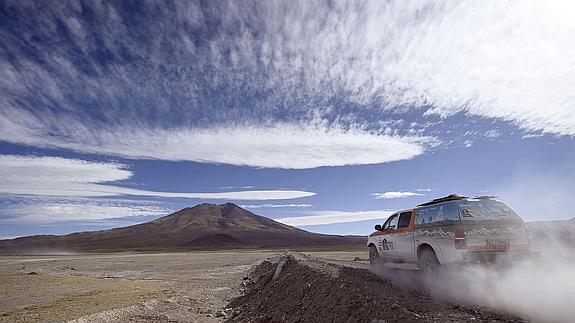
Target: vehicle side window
(444,212)
(404,219)
(391,223)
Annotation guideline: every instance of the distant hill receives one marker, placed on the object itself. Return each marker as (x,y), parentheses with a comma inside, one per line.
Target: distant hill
(204,226)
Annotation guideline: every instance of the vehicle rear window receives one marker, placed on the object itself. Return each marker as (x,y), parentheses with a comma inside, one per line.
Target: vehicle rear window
(485,209)
(437,214)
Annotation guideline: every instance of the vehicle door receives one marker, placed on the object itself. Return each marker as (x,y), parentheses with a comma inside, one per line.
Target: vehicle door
(386,239)
(403,237)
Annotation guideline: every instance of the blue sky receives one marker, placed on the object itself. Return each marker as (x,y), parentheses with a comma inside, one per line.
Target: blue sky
(323,115)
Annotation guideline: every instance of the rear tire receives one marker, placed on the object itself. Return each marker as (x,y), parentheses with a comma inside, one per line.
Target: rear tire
(428,263)
(374,258)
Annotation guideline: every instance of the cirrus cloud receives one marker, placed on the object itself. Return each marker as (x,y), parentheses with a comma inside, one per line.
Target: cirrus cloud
(117,84)
(44,210)
(55,176)
(330,217)
(275,206)
(394,195)
(277,146)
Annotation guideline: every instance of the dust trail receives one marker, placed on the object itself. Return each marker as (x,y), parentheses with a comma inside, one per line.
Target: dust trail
(539,288)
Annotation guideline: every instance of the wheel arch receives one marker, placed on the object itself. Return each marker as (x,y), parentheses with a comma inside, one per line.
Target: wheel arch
(371,244)
(425,246)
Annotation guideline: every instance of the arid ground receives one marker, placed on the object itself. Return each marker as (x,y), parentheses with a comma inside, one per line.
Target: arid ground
(213,286)
(162,286)
(191,286)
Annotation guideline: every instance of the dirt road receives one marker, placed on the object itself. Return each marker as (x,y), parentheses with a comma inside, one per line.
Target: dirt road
(208,286)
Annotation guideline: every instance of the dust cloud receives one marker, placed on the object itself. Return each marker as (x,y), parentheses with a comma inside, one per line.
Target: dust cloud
(539,288)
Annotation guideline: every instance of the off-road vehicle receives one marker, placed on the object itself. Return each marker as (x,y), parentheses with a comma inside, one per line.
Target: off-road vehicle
(448,230)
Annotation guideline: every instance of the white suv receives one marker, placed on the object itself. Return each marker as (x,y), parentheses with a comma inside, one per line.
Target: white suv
(449,230)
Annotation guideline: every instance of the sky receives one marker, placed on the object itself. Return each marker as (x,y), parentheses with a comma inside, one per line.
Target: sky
(326,115)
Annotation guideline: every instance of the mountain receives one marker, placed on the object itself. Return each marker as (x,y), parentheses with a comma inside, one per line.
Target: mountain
(204,226)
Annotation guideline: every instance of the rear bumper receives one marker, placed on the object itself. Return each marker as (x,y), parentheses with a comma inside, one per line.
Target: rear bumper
(497,256)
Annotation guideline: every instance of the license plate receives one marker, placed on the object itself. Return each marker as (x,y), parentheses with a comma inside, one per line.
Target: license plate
(499,243)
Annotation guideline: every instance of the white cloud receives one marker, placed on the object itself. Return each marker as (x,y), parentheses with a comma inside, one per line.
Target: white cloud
(8,237)
(54,176)
(277,146)
(330,217)
(493,133)
(15,169)
(272,206)
(512,60)
(53,210)
(394,195)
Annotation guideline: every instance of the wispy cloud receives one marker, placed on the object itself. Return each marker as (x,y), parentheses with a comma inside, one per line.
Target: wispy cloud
(330,217)
(8,237)
(273,206)
(277,146)
(54,176)
(54,210)
(211,97)
(394,195)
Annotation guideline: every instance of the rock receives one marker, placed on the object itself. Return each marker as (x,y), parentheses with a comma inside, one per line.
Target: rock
(357,259)
(395,306)
(220,314)
(279,268)
(32,273)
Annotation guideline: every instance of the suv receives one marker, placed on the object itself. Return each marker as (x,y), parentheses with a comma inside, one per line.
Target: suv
(449,230)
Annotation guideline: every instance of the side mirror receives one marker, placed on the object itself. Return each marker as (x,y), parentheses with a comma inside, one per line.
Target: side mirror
(378,227)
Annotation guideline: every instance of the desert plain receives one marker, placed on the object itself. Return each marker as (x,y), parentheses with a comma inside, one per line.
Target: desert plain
(184,287)
(320,284)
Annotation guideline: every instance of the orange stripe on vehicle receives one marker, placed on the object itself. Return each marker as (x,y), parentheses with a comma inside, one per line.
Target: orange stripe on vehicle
(381,233)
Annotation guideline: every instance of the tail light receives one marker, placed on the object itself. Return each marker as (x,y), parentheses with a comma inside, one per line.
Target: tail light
(460,239)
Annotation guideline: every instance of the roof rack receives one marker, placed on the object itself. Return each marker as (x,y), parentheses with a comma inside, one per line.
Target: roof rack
(485,197)
(452,197)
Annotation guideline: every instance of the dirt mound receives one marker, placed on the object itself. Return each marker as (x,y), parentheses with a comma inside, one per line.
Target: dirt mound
(303,294)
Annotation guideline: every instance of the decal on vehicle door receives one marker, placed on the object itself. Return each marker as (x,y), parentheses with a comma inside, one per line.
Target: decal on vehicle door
(386,245)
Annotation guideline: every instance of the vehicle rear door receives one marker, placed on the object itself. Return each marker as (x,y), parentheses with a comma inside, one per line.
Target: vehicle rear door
(403,237)
(491,225)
